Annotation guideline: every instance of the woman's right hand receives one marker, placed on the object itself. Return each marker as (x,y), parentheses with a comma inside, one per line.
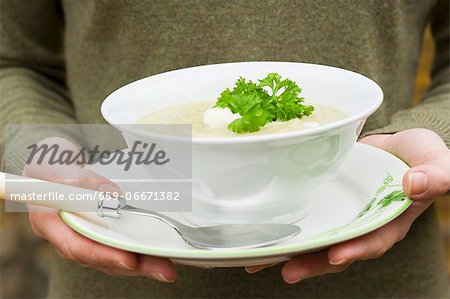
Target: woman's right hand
(47,224)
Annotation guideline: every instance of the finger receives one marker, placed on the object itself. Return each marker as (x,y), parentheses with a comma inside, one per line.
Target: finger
(156,268)
(430,173)
(153,268)
(109,271)
(404,144)
(427,181)
(372,245)
(75,247)
(309,265)
(254,269)
(105,270)
(376,140)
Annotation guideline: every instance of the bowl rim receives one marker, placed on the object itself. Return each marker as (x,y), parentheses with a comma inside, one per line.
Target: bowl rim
(254,138)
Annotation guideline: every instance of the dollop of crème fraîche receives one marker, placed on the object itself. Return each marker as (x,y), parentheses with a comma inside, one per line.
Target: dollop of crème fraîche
(216,117)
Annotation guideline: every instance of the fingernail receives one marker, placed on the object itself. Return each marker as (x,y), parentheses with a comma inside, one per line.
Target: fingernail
(339,262)
(160,277)
(254,269)
(107,188)
(125,266)
(417,183)
(251,271)
(292,281)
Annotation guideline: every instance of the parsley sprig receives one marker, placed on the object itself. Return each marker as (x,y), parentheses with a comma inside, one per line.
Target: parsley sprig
(257,107)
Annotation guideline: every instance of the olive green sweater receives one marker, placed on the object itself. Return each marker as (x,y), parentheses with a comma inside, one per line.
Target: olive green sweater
(60,59)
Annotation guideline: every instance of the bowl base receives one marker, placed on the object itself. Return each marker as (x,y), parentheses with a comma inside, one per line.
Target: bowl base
(284,215)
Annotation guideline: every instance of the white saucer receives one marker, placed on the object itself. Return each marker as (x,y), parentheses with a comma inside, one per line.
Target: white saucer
(367,176)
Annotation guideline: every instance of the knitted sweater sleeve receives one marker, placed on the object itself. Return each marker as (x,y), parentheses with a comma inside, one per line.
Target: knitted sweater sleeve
(434,111)
(32,74)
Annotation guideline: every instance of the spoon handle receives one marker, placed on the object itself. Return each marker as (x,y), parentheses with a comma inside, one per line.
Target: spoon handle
(27,190)
(127,209)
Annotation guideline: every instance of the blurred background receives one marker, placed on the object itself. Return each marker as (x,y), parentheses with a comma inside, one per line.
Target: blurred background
(24,259)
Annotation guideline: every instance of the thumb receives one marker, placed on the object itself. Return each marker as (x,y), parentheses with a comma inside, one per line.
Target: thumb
(426,181)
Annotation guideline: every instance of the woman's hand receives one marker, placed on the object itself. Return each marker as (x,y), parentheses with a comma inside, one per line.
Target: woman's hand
(70,245)
(429,177)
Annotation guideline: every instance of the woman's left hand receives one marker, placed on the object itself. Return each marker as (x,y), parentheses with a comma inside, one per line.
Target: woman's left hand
(429,177)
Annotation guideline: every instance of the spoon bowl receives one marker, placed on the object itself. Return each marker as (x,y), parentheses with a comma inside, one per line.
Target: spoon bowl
(226,236)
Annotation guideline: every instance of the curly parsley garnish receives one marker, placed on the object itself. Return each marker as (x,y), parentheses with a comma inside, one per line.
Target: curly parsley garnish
(257,107)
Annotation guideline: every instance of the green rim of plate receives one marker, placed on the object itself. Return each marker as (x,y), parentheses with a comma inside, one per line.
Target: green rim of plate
(202,254)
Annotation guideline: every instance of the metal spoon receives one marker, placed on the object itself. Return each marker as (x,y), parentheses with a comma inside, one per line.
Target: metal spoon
(227,236)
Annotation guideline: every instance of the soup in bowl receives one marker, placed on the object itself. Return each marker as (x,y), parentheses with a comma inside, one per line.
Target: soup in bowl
(241,174)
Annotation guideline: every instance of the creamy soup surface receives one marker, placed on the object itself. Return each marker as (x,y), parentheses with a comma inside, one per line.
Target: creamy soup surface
(192,113)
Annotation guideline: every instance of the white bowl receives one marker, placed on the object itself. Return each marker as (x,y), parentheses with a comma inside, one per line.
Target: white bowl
(258,178)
